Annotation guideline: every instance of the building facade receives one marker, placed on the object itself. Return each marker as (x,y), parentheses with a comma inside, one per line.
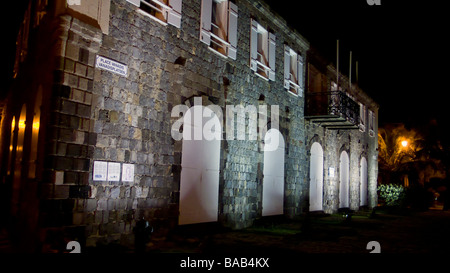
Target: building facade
(342,140)
(168,110)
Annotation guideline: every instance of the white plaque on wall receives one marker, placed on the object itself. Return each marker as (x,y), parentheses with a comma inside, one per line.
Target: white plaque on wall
(111,66)
(100,170)
(127,173)
(113,171)
(331,172)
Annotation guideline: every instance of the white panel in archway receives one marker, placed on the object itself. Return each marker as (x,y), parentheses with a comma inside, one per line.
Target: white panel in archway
(273,183)
(199,182)
(344,180)
(316,178)
(363,187)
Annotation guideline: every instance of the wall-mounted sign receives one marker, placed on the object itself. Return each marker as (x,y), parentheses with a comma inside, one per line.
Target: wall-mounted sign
(113,171)
(100,170)
(127,173)
(331,172)
(111,66)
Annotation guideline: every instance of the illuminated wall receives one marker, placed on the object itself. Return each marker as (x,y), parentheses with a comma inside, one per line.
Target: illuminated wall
(110,74)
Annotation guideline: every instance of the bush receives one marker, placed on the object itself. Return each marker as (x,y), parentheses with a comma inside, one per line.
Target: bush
(391,194)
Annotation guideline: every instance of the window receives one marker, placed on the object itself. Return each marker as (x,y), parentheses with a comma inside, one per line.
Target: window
(371,123)
(262,51)
(164,11)
(333,86)
(219,26)
(293,71)
(362,117)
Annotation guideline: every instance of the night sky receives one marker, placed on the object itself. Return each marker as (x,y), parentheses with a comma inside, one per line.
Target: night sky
(401,48)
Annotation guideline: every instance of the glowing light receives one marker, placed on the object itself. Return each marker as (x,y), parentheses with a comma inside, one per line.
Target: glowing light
(21,124)
(404,143)
(36,125)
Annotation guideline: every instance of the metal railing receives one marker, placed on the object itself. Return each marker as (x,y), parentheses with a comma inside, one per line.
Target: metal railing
(332,104)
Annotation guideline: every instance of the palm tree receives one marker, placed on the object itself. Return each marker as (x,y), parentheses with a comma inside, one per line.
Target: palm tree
(398,151)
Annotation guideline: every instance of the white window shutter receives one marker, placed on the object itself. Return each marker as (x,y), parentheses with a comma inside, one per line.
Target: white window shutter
(232,30)
(254,46)
(137,3)
(287,66)
(272,55)
(205,31)
(300,74)
(174,17)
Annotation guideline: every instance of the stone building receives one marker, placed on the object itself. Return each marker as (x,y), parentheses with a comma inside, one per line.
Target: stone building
(96,127)
(342,140)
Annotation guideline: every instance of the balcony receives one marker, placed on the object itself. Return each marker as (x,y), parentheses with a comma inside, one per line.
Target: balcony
(332,109)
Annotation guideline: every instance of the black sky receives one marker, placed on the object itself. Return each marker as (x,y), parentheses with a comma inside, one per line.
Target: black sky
(399,46)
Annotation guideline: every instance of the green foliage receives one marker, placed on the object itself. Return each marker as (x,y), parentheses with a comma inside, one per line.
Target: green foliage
(392,194)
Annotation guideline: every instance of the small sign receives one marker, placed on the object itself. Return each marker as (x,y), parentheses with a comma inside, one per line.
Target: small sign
(113,171)
(127,173)
(331,172)
(100,170)
(111,66)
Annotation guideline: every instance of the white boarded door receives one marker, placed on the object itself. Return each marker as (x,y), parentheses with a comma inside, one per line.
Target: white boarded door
(273,183)
(199,185)
(344,170)
(363,186)
(316,178)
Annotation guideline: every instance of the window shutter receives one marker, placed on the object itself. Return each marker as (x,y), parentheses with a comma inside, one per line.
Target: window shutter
(254,46)
(205,31)
(287,66)
(232,30)
(174,17)
(300,74)
(373,121)
(272,49)
(137,3)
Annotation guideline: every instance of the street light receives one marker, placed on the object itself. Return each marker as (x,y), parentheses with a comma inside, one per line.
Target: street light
(404,143)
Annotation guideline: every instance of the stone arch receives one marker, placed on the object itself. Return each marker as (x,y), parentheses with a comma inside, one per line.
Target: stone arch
(200,166)
(315,139)
(344,180)
(273,175)
(363,195)
(316,178)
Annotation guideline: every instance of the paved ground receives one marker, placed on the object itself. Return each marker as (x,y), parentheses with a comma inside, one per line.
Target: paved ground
(398,232)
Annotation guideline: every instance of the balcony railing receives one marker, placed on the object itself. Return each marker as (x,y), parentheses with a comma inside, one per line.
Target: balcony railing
(333,109)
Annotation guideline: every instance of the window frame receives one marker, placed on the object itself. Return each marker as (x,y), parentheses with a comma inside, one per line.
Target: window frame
(362,117)
(372,119)
(225,46)
(293,63)
(165,12)
(262,63)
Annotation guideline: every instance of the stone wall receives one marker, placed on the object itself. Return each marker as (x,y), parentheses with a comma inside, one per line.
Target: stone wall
(93,116)
(167,67)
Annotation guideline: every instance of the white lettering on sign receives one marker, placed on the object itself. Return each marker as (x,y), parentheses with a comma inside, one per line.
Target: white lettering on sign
(111,66)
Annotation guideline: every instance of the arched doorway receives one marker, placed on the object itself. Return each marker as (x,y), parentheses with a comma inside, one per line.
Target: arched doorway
(199,181)
(16,157)
(344,181)
(316,178)
(363,186)
(35,135)
(273,182)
